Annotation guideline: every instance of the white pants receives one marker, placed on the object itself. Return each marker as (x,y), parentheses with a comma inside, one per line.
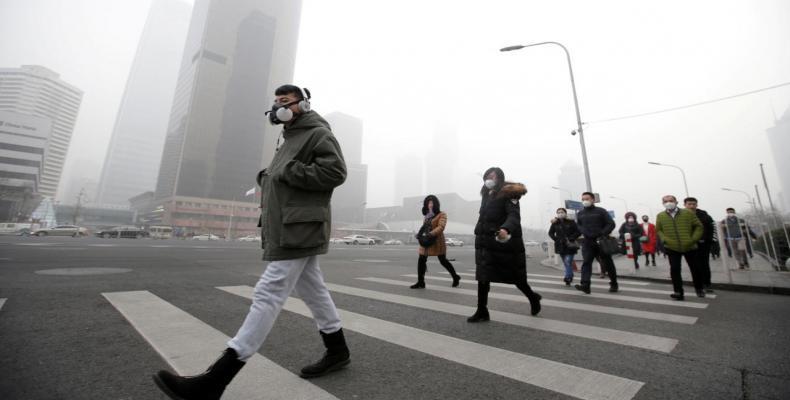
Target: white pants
(277,282)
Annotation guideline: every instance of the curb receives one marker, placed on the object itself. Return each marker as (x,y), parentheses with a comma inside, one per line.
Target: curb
(718,286)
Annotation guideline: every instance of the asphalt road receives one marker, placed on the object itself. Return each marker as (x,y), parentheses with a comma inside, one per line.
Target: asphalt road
(67,332)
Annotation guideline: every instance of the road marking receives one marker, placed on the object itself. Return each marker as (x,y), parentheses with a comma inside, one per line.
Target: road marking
(650,342)
(37,244)
(2,301)
(622,282)
(103,245)
(622,287)
(574,292)
(558,377)
(189,346)
(371,261)
(625,312)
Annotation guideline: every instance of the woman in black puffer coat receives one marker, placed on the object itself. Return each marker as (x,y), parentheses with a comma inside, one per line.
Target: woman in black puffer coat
(500,255)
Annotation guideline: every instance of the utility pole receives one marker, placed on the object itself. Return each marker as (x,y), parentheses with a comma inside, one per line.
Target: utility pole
(79,205)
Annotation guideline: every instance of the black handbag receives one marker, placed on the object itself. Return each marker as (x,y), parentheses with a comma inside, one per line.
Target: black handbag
(424,238)
(571,245)
(609,245)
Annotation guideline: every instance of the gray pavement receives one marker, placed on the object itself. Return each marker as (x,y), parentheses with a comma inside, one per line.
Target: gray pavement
(115,311)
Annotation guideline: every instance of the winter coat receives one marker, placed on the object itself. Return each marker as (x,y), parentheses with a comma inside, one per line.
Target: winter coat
(680,233)
(594,222)
(708,225)
(296,190)
(651,245)
(636,232)
(495,261)
(562,231)
(439,247)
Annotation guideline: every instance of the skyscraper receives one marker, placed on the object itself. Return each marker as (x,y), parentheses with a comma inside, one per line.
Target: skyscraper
(779,139)
(236,54)
(23,142)
(135,152)
(408,177)
(37,91)
(350,199)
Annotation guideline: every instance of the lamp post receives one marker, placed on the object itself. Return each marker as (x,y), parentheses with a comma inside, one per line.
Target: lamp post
(685,185)
(579,127)
(564,190)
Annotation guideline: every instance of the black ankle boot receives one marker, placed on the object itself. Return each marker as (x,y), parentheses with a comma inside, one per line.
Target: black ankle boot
(418,285)
(481,315)
(534,303)
(456,280)
(583,288)
(207,386)
(336,356)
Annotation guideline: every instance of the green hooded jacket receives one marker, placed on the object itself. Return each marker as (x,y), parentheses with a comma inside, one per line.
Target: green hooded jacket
(681,233)
(296,190)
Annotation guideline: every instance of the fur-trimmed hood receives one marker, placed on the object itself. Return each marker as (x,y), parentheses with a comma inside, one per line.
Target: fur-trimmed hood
(512,190)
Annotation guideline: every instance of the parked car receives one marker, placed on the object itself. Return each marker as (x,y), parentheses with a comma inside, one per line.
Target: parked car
(160,232)
(117,232)
(453,242)
(249,238)
(377,239)
(393,242)
(208,236)
(62,230)
(17,228)
(337,241)
(358,239)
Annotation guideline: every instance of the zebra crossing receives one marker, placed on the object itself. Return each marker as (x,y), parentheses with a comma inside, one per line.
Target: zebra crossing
(189,344)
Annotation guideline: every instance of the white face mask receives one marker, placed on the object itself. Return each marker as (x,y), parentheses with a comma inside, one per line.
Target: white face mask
(586,203)
(561,215)
(490,184)
(631,220)
(670,205)
(730,215)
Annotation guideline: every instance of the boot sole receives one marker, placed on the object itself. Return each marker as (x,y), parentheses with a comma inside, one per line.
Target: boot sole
(165,389)
(333,368)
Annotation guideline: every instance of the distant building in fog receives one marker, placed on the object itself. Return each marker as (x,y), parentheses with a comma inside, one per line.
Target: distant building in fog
(408,177)
(237,53)
(23,144)
(779,140)
(350,199)
(135,152)
(37,91)
(571,178)
(442,160)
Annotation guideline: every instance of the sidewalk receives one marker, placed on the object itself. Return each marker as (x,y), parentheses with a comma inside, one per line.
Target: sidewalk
(725,274)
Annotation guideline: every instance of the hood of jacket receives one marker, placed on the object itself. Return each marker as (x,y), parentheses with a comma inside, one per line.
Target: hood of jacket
(512,190)
(307,121)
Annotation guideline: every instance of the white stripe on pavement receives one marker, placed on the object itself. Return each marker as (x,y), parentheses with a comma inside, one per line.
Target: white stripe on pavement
(650,342)
(558,377)
(622,287)
(2,301)
(574,292)
(189,346)
(625,312)
(576,274)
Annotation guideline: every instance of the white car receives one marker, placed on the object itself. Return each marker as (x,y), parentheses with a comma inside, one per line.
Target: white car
(337,241)
(393,242)
(249,238)
(453,242)
(358,239)
(208,236)
(62,230)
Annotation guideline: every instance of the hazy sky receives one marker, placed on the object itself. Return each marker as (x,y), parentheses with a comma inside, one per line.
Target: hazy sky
(406,67)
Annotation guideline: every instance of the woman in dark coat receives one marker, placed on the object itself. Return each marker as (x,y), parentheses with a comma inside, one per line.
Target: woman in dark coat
(500,255)
(435,221)
(564,232)
(631,226)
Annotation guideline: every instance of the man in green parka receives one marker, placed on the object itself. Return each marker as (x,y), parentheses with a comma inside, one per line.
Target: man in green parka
(296,191)
(680,230)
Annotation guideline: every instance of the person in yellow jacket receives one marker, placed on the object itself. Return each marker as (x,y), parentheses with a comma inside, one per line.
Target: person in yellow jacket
(680,230)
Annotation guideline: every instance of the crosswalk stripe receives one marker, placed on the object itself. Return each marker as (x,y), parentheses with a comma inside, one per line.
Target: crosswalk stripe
(624,282)
(2,302)
(555,376)
(574,292)
(189,345)
(625,312)
(650,342)
(622,287)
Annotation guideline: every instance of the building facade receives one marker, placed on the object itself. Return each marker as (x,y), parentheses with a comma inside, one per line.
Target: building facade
(350,199)
(23,145)
(779,139)
(37,91)
(135,152)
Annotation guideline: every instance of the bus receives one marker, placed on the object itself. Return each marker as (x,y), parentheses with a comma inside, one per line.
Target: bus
(160,232)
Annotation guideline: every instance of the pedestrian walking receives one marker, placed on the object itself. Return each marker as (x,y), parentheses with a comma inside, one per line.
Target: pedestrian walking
(680,230)
(564,233)
(705,244)
(738,235)
(649,244)
(295,224)
(500,255)
(631,226)
(595,224)
(433,230)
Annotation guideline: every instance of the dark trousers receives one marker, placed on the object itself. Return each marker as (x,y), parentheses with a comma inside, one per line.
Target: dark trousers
(484,287)
(703,263)
(422,266)
(675,262)
(591,250)
(647,260)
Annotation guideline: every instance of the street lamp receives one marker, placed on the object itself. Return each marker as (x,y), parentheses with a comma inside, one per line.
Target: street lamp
(564,190)
(674,166)
(750,199)
(579,128)
(621,199)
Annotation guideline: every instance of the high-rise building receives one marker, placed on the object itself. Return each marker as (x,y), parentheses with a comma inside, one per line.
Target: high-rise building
(349,199)
(779,139)
(571,181)
(37,91)
(443,157)
(23,144)
(135,152)
(408,177)
(236,54)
